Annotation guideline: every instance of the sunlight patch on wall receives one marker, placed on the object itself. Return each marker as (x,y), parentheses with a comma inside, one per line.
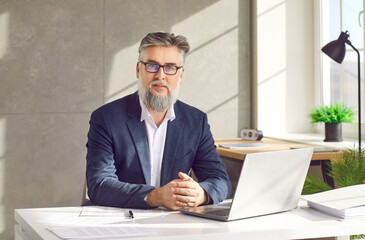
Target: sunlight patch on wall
(4,33)
(213,58)
(267,5)
(271,66)
(271,42)
(272,107)
(213,18)
(122,78)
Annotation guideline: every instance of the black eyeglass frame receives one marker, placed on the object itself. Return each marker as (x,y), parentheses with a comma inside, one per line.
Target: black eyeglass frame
(160,66)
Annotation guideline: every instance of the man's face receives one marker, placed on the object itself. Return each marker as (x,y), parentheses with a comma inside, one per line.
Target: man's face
(169,56)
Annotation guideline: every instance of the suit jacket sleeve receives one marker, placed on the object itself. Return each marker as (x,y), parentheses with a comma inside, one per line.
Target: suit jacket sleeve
(209,169)
(104,187)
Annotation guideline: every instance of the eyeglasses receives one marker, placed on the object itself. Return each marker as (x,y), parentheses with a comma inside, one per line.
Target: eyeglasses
(154,68)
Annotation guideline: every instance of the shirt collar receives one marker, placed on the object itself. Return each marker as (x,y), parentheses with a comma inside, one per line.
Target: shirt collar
(170,115)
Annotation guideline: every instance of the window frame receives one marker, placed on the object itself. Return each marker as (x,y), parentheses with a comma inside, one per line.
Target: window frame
(321,96)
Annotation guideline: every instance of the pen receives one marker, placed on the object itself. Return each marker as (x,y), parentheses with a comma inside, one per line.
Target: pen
(131,214)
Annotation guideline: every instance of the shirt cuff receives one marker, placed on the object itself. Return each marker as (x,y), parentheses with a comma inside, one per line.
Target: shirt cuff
(209,200)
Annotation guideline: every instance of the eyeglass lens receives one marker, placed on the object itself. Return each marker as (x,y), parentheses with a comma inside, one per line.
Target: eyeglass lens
(153,68)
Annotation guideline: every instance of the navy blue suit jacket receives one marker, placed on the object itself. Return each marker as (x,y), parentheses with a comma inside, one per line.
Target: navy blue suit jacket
(118,166)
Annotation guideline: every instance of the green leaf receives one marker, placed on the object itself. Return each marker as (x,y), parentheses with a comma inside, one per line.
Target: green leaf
(347,169)
(314,185)
(334,113)
(354,237)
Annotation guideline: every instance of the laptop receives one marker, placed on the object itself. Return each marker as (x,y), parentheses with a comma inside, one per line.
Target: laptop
(269,182)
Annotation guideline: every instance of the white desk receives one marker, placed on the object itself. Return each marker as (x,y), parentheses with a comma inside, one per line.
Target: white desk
(297,224)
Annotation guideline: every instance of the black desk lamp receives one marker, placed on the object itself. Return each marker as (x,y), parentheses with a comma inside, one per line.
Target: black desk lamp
(337,50)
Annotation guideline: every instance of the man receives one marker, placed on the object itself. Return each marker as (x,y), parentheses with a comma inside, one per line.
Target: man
(141,146)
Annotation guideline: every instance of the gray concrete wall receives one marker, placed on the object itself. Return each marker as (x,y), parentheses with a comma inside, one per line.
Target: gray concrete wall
(59,60)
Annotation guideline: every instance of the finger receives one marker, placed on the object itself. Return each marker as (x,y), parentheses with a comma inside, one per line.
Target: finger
(185,177)
(185,191)
(185,184)
(184,204)
(185,199)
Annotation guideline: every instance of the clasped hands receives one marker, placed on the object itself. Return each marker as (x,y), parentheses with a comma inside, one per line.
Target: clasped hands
(178,193)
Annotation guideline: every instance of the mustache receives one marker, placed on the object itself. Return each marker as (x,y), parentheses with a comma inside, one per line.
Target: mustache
(157,82)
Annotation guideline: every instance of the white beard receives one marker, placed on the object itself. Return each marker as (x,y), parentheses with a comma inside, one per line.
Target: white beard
(156,103)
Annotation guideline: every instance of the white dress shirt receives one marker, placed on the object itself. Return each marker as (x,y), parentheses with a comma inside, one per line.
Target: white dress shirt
(156,140)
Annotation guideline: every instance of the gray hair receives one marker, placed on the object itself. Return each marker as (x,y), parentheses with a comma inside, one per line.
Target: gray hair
(165,40)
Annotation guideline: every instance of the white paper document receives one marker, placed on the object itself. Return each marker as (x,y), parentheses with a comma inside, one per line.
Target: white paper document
(75,219)
(95,211)
(346,202)
(99,211)
(340,198)
(89,232)
(95,215)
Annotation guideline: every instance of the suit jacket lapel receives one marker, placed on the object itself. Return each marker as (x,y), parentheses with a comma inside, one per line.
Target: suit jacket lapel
(173,137)
(137,129)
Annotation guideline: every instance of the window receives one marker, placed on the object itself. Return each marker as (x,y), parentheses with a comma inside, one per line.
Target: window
(338,82)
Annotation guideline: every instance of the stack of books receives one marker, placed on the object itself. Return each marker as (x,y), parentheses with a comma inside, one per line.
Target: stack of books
(343,203)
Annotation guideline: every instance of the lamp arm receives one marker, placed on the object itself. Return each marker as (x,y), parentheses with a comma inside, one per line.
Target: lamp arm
(359,91)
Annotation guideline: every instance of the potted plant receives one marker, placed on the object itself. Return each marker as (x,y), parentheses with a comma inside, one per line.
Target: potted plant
(332,115)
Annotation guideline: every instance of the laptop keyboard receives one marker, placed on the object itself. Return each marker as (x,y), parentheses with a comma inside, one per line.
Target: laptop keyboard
(219,212)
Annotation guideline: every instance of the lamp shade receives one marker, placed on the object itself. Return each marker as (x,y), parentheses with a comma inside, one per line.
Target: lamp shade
(337,49)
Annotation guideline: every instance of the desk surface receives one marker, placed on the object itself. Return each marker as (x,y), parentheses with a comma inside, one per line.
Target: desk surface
(302,222)
(273,145)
